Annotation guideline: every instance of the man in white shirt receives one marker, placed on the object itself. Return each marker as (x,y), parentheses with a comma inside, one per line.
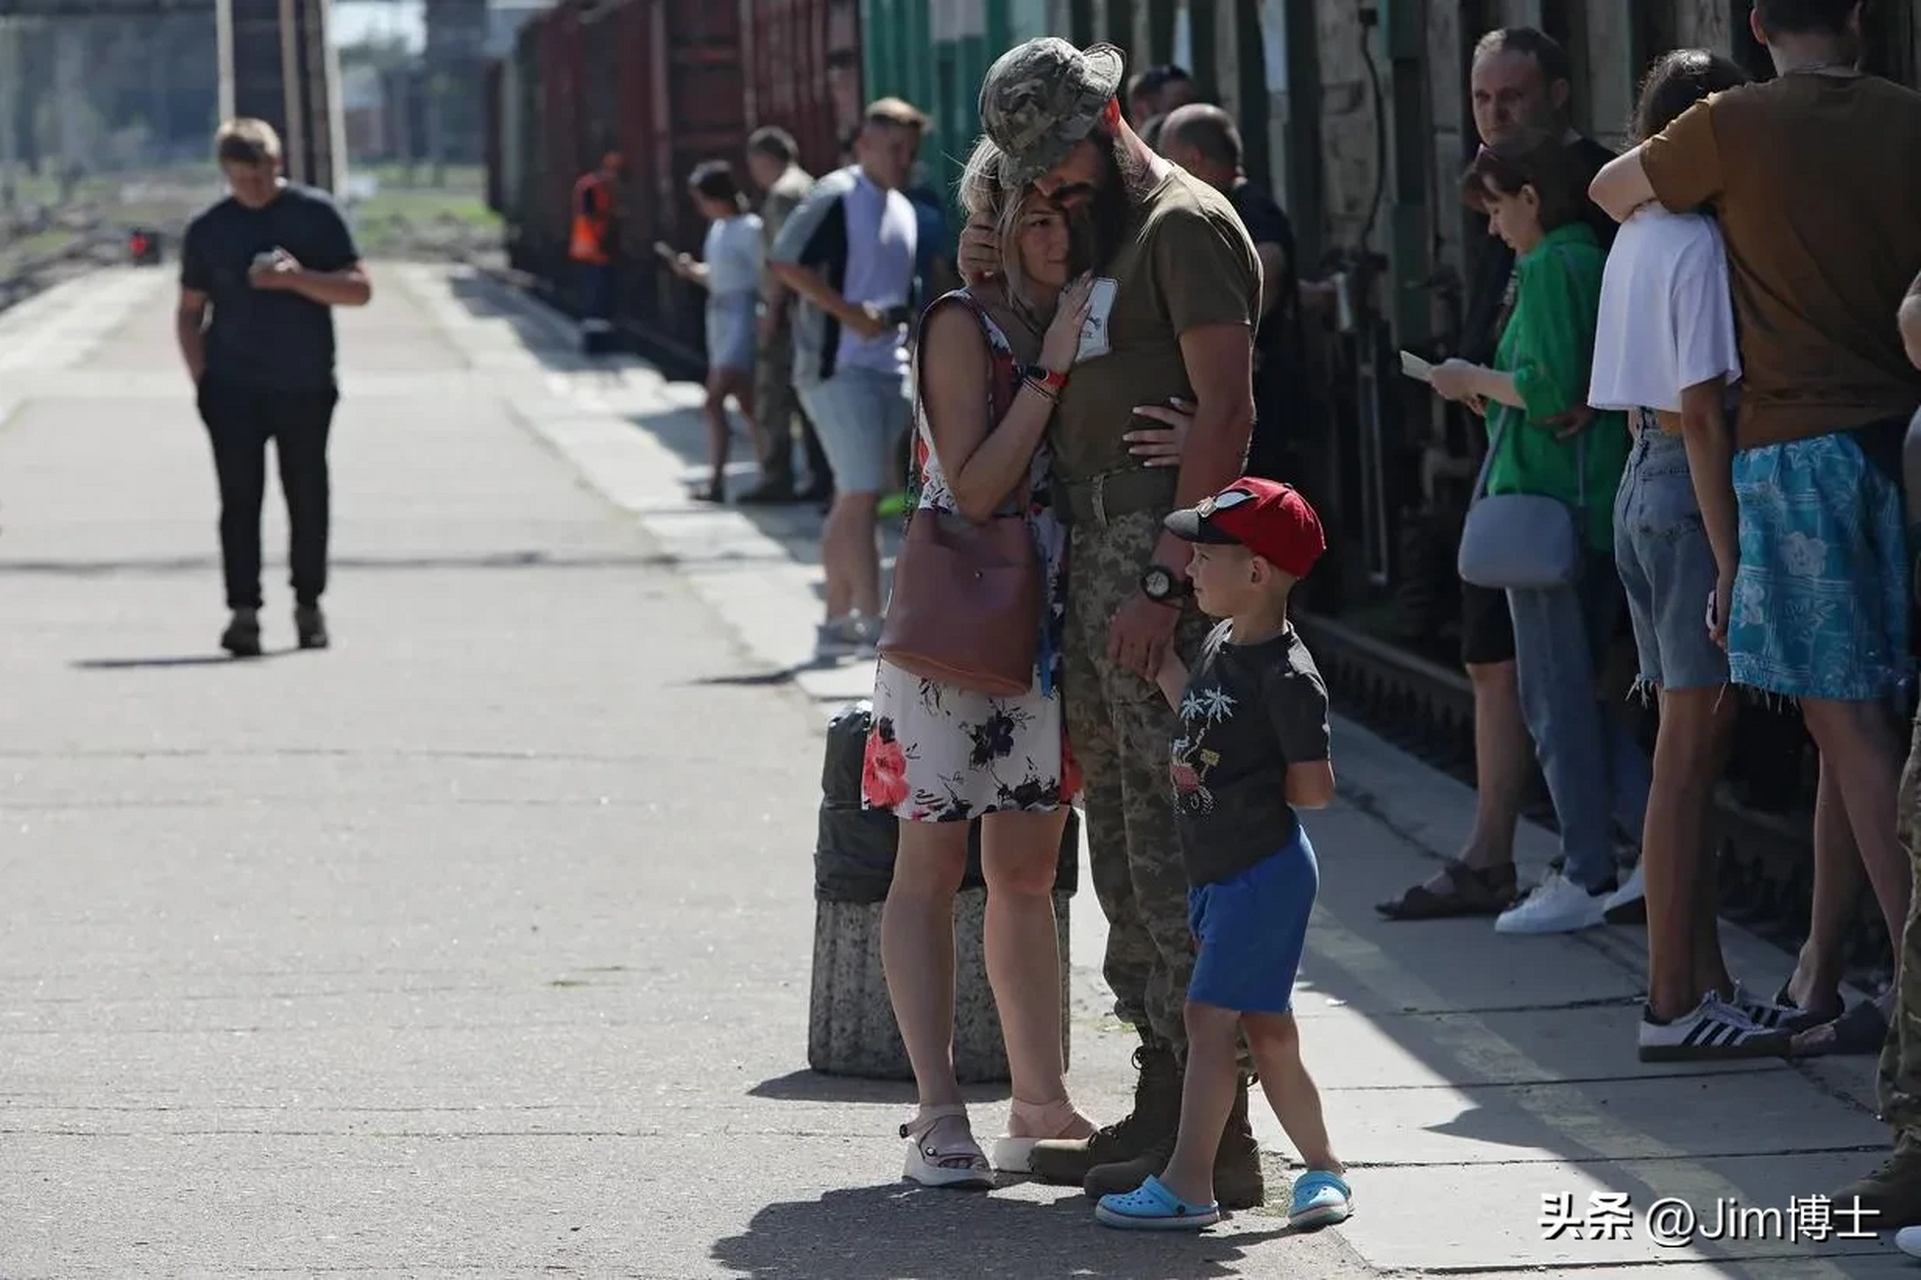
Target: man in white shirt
(848,251)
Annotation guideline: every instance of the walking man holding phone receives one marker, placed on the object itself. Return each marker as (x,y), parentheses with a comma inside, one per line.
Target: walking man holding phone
(260,273)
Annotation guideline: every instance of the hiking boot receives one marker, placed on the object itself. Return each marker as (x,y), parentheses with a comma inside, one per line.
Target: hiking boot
(1890,1197)
(242,636)
(1153,1122)
(311,626)
(1237,1164)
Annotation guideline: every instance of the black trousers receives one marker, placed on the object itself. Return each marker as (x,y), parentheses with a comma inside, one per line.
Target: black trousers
(240,421)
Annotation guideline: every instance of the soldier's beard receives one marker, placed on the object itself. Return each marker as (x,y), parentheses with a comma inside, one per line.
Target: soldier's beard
(1099,226)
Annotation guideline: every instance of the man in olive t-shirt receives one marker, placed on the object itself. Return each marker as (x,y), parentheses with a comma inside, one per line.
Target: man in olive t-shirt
(1812,180)
(1186,289)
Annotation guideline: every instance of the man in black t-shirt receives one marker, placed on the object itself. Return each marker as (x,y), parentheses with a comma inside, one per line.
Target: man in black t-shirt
(259,274)
(1203,140)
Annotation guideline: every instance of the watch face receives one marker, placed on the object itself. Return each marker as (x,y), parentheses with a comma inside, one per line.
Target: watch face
(1157,583)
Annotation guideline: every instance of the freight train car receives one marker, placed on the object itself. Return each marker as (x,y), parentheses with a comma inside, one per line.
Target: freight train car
(667,84)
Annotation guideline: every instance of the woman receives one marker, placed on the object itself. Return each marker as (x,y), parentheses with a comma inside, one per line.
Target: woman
(1595,773)
(730,272)
(939,756)
(1666,352)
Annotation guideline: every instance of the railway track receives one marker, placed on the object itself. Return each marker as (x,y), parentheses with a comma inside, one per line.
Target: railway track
(1766,858)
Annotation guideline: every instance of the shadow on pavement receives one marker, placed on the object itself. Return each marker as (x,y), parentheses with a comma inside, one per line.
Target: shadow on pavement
(482,560)
(883,1233)
(182,660)
(815,1086)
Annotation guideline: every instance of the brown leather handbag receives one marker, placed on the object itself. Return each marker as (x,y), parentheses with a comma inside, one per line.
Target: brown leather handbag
(967,598)
(966,604)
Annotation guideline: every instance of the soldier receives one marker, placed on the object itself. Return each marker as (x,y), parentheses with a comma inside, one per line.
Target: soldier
(772,162)
(1182,287)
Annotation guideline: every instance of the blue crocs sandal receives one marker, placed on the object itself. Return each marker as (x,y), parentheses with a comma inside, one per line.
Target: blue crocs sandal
(1155,1208)
(1320,1200)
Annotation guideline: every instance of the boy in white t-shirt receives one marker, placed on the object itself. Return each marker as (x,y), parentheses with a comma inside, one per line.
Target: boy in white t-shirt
(1665,350)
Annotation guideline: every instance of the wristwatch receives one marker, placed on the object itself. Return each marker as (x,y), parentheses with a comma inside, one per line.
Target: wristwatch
(1047,378)
(1163,585)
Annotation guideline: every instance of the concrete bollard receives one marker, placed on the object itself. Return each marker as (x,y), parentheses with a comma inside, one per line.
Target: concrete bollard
(851,1027)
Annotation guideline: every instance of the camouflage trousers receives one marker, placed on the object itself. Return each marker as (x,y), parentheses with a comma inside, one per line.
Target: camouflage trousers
(1900,1071)
(776,406)
(1120,730)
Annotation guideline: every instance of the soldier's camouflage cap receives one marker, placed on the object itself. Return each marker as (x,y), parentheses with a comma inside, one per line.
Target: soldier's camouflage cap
(1041,98)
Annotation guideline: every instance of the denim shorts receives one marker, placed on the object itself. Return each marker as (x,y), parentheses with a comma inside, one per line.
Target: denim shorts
(1821,597)
(860,416)
(1667,565)
(1252,928)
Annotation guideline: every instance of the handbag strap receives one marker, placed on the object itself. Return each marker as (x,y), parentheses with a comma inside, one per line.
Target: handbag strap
(1495,434)
(1003,378)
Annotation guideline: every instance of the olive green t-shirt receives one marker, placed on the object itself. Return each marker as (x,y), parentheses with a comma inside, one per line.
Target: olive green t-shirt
(1184,262)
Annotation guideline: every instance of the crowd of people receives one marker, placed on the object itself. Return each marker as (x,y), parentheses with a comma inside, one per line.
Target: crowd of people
(1696,363)
(1694,366)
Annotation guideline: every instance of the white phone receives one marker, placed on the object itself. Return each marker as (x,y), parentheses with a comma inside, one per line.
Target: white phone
(1415,367)
(1100,302)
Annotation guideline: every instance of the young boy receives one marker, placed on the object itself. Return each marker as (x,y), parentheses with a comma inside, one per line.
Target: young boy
(1253,748)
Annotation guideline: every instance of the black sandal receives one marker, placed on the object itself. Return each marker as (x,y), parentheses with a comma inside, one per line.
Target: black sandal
(1486,892)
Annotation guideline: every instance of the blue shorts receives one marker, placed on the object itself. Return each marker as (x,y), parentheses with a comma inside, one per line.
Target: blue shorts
(1667,565)
(1821,597)
(1251,929)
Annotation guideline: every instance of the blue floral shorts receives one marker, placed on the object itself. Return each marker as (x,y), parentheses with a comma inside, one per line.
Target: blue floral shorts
(1821,599)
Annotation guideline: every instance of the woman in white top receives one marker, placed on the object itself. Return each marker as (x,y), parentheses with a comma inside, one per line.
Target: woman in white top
(730,271)
(1665,351)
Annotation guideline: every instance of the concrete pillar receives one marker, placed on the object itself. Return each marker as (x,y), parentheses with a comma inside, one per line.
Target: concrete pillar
(70,94)
(276,67)
(10,107)
(1612,71)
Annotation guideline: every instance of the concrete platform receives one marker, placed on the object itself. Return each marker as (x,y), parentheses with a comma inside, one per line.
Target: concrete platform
(478,945)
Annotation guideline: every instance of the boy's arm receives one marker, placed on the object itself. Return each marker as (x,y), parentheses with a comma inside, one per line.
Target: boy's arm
(1297,705)
(1310,785)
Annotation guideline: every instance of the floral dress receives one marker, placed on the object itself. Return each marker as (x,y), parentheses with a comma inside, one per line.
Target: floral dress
(937,753)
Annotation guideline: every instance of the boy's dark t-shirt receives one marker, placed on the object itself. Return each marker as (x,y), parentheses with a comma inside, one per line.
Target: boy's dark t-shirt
(268,340)
(1249,712)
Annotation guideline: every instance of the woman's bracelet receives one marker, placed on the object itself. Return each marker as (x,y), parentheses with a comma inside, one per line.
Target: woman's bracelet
(1040,389)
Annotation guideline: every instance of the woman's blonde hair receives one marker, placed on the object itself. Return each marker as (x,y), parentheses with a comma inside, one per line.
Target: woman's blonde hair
(983,194)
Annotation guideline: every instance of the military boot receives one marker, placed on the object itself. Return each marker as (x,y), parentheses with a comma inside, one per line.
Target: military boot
(1890,1197)
(1155,1117)
(1237,1164)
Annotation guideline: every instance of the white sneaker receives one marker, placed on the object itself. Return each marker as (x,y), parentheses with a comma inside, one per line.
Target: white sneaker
(1557,905)
(1628,904)
(1714,1031)
(1908,1241)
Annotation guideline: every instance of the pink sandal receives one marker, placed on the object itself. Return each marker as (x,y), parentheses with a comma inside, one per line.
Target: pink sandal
(1043,1121)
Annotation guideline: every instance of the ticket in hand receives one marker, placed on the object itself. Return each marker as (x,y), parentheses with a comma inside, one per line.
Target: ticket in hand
(1415,367)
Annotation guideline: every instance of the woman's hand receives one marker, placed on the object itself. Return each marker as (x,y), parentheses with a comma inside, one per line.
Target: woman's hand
(1161,446)
(1453,379)
(1063,336)
(1720,605)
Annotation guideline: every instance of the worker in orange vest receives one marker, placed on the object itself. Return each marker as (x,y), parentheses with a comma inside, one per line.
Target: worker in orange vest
(592,246)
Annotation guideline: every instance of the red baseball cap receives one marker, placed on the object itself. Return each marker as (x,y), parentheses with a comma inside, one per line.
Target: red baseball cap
(1268,518)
